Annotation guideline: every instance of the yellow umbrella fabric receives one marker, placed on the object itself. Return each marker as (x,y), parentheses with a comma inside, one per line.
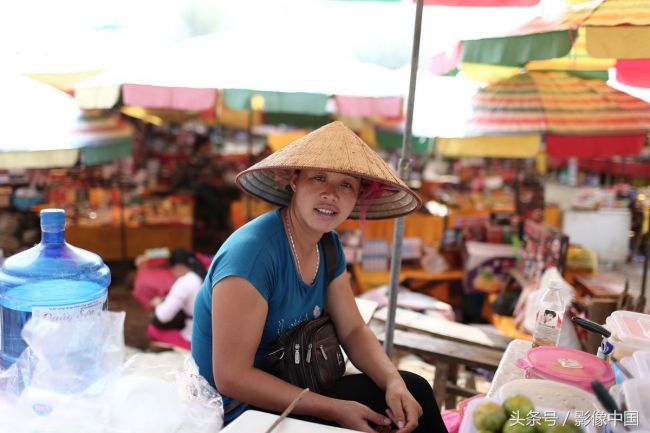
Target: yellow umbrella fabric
(495,146)
(620,29)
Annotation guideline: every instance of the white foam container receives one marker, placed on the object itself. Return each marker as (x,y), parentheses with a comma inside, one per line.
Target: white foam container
(551,394)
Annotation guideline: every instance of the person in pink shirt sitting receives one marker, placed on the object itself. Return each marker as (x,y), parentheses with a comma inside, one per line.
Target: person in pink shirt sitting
(172,319)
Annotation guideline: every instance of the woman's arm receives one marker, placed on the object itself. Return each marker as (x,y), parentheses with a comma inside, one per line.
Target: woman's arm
(365,352)
(238,315)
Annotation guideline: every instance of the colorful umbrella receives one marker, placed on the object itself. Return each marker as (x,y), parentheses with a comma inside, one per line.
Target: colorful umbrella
(578,61)
(186,77)
(482,3)
(614,29)
(43,128)
(577,116)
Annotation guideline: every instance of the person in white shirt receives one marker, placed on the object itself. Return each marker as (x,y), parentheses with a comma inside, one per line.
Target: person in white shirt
(172,319)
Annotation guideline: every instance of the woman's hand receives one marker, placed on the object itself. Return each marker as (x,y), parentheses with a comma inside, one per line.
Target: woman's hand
(155,301)
(356,416)
(403,409)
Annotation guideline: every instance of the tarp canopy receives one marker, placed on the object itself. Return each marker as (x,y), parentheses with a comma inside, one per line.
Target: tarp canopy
(482,3)
(289,78)
(43,128)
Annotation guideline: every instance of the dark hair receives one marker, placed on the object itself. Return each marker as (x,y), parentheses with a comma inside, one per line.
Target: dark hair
(181,256)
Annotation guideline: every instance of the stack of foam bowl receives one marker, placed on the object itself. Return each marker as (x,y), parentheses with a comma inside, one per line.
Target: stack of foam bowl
(551,394)
(630,332)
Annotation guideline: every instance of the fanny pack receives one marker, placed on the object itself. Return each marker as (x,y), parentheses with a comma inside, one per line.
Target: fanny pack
(309,355)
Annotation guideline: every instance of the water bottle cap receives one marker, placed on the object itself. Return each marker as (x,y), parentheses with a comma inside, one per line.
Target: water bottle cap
(53,217)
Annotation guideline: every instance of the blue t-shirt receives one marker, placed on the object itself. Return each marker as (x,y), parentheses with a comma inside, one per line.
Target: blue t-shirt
(260,253)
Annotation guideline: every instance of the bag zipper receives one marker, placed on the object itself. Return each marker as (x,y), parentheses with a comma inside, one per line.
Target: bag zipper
(323,352)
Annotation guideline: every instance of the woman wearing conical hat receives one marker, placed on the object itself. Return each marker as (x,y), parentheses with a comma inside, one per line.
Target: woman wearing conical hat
(270,275)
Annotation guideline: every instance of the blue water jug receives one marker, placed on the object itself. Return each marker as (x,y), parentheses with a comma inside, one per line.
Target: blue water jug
(53,279)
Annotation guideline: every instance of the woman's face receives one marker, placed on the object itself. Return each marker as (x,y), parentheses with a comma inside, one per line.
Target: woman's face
(324,199)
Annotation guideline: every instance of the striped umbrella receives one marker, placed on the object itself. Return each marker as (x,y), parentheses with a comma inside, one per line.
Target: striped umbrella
(43,128)
(576,116)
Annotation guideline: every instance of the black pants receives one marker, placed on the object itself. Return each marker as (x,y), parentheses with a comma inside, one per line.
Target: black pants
(359,387)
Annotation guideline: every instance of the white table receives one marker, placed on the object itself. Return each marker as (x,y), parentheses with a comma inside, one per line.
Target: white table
(253,421)
(507,370)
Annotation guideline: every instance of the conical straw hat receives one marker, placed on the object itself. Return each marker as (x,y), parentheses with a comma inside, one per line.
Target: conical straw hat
(333,147)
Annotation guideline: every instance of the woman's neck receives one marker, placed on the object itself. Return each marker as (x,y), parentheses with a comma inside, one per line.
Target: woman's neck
(304,238)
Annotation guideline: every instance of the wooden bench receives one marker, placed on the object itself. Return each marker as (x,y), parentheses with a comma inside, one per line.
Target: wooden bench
(453,331)
(447,355)
(447,345)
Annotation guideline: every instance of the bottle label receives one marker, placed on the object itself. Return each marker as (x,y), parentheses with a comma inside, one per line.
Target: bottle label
(549,319)
(547,329)
(64,313)
(605,349)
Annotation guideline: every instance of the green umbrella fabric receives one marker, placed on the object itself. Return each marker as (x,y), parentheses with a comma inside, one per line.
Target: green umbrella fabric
(518,50)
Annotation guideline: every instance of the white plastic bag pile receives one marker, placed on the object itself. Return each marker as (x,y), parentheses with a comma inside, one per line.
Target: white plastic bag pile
(72,378)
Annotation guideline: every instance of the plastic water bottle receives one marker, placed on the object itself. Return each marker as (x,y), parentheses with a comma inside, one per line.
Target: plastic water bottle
(53,279)
(548,321)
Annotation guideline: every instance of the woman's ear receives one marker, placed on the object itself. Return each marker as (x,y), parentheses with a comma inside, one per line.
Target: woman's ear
(293,181)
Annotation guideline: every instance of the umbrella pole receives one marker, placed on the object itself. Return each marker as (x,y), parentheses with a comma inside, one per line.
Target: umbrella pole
(249,202)
(404,170)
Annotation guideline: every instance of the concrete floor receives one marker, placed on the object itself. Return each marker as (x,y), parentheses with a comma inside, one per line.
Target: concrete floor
(121,299)
(137,318)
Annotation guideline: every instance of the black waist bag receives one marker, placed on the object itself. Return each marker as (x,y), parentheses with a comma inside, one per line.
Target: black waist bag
(309,355)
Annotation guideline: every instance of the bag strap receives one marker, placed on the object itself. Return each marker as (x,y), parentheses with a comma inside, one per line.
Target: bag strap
(331,255)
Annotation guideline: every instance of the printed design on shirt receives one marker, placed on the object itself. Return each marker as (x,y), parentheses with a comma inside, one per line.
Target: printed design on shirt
(295,322)
(298,320)
(280,329)
(317,311)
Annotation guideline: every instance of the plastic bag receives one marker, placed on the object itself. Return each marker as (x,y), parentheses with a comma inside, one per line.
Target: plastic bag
(67,357)
(164,392)
(72,378)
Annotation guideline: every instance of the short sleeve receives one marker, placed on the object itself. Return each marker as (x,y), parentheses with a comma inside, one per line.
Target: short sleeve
(341,264)
(245,258)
